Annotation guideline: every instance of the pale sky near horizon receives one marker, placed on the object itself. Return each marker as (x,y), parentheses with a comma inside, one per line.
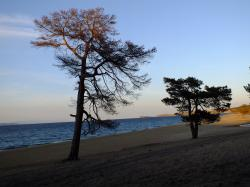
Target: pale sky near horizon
(207,39)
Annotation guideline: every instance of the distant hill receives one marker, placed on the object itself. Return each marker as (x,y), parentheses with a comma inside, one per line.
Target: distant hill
(165,115)
(243,109)
(146,116)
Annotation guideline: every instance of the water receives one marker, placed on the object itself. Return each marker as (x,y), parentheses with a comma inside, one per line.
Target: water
(14,136)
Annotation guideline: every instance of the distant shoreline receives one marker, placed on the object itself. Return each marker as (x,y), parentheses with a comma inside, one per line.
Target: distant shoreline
(46,133)
(33,123)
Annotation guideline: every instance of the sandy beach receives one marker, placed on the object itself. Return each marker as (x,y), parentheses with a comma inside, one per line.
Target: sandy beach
(165,156)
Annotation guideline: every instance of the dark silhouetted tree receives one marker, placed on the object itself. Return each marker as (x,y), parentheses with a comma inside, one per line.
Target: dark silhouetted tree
(247,88)
(194,104)
(107,69)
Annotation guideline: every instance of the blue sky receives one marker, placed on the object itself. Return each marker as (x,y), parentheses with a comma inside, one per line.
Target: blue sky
(208,39)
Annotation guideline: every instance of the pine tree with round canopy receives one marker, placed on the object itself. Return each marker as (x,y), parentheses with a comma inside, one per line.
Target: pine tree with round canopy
(196,104)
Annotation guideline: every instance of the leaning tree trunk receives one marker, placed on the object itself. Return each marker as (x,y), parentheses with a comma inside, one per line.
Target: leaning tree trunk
(79,115)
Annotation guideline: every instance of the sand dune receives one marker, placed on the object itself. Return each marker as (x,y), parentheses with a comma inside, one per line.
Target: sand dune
(232,119)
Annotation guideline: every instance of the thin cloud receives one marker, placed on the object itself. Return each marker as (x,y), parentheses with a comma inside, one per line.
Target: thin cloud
(47,78)
(18,32)
(16,26)
(22,20)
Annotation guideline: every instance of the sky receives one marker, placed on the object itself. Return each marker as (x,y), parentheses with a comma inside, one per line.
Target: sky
(207,39)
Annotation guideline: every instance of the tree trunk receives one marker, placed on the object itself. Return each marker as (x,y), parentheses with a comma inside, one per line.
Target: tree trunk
(74,152)
(191,124)
(196,130)
(195,125)
(192,128)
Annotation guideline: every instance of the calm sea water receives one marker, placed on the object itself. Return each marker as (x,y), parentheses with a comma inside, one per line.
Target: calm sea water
(14,136)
